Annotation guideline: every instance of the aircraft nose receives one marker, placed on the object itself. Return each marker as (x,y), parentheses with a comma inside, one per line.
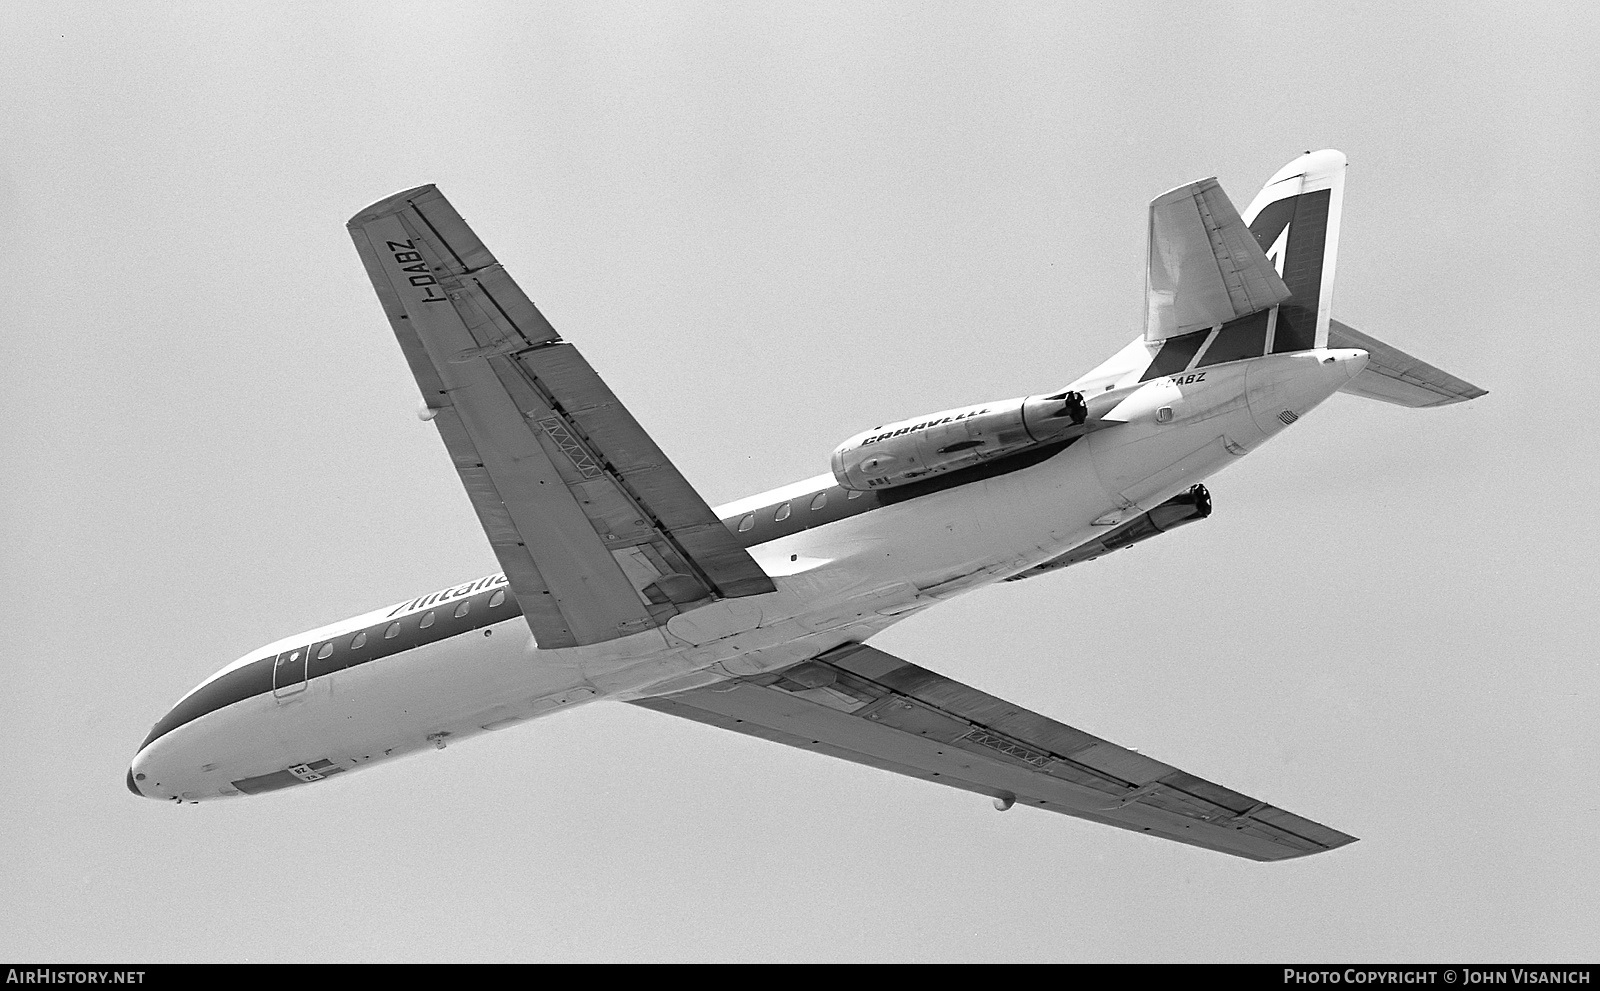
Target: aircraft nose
(136,778)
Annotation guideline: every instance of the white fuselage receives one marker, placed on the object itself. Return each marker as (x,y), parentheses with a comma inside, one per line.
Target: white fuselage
(842,581)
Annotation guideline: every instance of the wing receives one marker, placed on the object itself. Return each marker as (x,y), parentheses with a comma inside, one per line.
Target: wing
(1204,265)
(599,535)
(1392,376)
(873,708)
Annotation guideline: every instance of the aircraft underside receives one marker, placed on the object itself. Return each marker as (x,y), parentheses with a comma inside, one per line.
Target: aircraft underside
(620,584)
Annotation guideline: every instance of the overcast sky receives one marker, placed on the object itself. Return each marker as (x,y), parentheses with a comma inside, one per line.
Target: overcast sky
(771,226)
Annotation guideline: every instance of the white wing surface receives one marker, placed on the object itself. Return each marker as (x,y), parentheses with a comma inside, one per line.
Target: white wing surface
(873,708)
(599,535)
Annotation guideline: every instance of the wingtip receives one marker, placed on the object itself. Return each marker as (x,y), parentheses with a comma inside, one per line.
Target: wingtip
(1466,395)
(1327,846)
(1185,191)
(388,204)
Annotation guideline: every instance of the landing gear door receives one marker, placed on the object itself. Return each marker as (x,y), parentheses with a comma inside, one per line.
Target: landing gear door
(289,673)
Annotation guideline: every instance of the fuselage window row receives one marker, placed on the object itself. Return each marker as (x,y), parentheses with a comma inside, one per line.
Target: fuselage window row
(403,634)
(779,520)
(265,675)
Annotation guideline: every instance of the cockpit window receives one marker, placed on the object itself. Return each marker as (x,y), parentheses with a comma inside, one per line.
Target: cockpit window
(392,631)
(498,598)
(427,620)
(359,641)
(463,609)
(782,513)
(327,649)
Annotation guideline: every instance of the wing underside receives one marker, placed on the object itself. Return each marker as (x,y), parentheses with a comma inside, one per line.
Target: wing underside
(870,707)
(599,534)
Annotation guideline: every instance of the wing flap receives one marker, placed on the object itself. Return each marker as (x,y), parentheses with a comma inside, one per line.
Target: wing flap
(1204,266)
(527,584)
(599,534)
(872,708)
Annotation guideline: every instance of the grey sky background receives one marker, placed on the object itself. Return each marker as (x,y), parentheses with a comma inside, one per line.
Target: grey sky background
(770,227)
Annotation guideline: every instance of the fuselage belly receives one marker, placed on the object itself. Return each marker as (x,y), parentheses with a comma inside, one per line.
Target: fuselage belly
(841,581)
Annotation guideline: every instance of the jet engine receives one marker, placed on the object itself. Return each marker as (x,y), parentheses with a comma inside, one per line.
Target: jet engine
(1180,510)
(897,453)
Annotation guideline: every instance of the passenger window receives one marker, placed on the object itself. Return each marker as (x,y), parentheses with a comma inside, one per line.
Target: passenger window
(499,597)
(820,501)
(782,513)
(394,628)
(427,620)
(748,522)
(360,641)
(463,609)
(327,649)
(855,494)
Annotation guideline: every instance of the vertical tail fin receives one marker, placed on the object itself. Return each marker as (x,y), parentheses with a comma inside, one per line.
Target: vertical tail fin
(1295,219)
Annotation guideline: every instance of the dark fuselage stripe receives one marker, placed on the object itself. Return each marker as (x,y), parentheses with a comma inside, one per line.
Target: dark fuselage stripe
(837,504)
(255,678)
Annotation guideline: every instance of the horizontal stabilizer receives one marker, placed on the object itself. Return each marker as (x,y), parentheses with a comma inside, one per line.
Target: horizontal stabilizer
(1204,265)
(1392,376)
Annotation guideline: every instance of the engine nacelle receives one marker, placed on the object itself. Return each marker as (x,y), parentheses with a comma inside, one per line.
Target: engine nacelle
(1181,509)
(897,453)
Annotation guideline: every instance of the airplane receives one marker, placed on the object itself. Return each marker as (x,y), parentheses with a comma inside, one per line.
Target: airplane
(618,582)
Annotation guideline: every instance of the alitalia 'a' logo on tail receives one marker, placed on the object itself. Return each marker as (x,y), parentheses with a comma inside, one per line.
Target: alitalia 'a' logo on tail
(1279,247)
(1293,234)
